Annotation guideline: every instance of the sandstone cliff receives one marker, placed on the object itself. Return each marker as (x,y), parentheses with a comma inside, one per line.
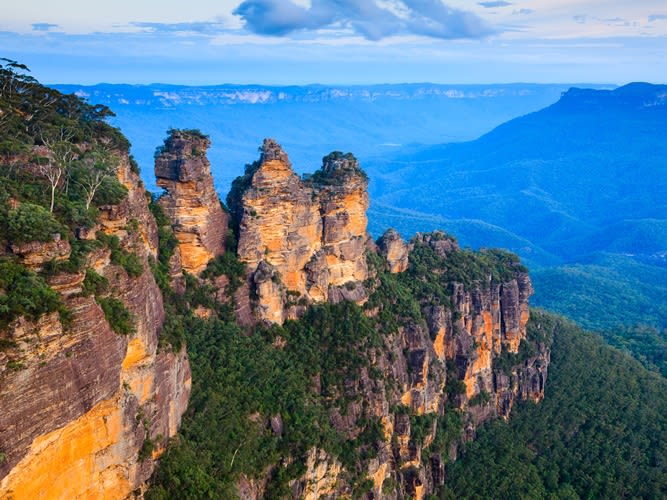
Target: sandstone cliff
(190,200)
(468,361)
(86,411)
(410,346)
(302,241)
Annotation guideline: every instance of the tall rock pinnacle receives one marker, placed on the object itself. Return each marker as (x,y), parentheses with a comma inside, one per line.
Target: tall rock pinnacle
(309,235)
(190,200)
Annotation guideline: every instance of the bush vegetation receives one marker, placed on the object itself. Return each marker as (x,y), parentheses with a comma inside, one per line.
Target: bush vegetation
(115,312)
(24,293)
(29,222)
(598,433)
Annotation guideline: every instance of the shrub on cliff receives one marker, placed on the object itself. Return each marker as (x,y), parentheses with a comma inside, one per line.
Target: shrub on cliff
(115,312)
(24,293)
(29,222)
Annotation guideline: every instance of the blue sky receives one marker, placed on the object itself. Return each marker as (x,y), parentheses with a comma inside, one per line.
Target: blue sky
(337,41)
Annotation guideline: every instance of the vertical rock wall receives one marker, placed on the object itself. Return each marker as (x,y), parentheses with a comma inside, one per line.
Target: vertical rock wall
(78,403)
(190,200)
(307,237)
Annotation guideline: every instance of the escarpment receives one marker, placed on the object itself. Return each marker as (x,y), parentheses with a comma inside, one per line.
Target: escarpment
(86,410)
(441,345)
(190,200)
(328,366)
(460,355)
(303,241)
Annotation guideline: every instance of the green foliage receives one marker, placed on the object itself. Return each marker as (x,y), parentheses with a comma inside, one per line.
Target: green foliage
(599,433)
(94,284)
(24,293)
(347,165)
(127,260)
(111,192)
(621,297)
(235,195)
(15,366)
(605,292)
(646,343)
(229,265)
(79,168)
(449,428)
(167,243)
(31,109)
(460,266)
(537,332)
(30,222)
(146,449)
(240,381)
(454,387)
(481,398)
(115,312)
(172,133)
(421,426)
(7,344)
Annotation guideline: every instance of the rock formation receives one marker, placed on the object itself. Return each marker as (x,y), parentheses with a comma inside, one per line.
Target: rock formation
(395,250)
(309,236)
(460,344)
(190,200)
(86,411)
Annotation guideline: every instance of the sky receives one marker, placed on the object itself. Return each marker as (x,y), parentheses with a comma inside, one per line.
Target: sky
(284,42)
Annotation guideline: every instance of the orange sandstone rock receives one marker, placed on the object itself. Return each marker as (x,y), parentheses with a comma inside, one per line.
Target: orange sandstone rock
(190,200)
(312,233)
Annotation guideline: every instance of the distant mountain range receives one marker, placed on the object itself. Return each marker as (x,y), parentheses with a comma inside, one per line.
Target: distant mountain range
(311,121)
(582,174)
(581,184)
(162,95)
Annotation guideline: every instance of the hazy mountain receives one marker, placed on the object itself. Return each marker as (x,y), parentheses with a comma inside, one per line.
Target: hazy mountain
(309,120)
(583,176)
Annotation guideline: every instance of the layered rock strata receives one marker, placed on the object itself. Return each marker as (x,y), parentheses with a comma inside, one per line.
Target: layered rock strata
(460,343)
(190,200)
(80,402)
(395,250)
(302,240)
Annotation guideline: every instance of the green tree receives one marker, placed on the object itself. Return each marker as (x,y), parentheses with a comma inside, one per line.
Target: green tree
(96,166)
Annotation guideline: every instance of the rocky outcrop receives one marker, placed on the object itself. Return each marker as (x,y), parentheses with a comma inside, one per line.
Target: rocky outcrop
(35,254)
(190,200)
(86,411)
(461,363)
(395,250)
(311,233)
(343,195)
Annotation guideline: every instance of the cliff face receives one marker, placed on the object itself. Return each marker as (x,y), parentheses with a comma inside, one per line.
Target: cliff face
(438,345)
(190,200)
(469,361)
(79,402)
(302,241)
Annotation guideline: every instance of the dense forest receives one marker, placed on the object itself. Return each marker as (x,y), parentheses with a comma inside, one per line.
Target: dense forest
(601,431)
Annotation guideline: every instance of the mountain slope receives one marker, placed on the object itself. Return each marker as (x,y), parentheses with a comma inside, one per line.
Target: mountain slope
(581,183)
(600,432)
(592,160)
